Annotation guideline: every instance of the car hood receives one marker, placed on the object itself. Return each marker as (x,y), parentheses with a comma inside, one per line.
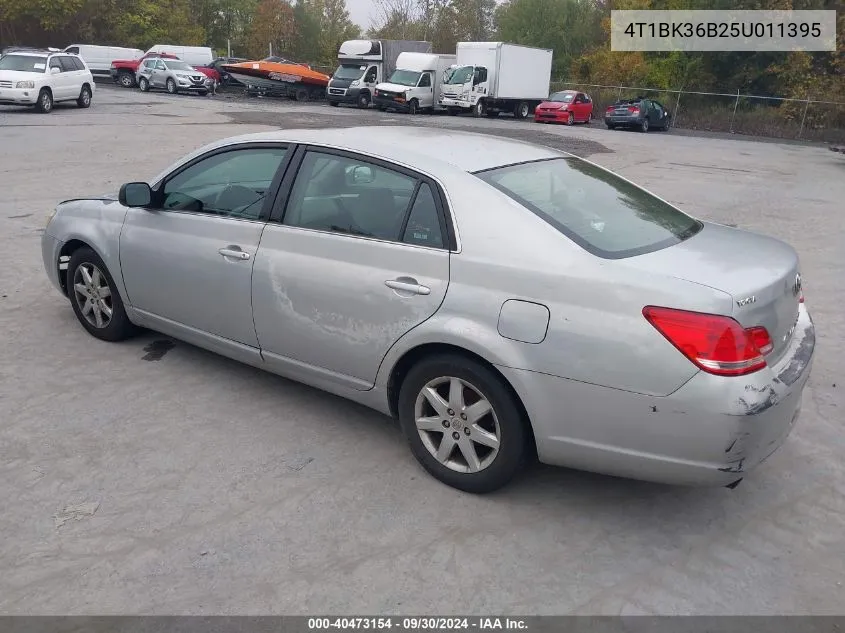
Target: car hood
(552,105)
(393,87)
(19,75)
(186,73)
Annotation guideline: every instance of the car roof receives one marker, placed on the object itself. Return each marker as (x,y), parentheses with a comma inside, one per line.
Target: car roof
(31,53)
(415,146)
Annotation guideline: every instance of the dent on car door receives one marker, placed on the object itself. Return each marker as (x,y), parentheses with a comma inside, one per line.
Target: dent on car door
(358,258)
(187,260)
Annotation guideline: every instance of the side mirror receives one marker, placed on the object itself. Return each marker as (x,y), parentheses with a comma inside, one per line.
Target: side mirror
(54,70)
(135,194)
(361,175)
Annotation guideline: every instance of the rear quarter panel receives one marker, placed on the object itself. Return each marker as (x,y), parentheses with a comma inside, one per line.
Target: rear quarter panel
(596,332)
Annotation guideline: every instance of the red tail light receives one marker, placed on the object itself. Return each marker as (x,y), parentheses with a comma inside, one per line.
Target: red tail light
(717,344)
(634,110)
(801,297)
(609,109)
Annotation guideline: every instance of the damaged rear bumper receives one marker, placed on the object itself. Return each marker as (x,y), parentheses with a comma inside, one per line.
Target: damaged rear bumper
(711,431)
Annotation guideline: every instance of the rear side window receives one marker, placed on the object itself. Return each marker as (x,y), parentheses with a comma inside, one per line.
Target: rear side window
(78,63)
(597,210)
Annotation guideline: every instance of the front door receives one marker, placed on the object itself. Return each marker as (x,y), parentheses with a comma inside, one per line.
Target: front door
(189,258)
(425,90)
(61,79)
(359,258)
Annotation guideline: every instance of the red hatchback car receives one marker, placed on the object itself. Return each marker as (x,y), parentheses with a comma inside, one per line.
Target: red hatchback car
(567,106)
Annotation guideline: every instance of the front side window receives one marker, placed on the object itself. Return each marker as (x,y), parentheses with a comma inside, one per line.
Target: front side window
(460,75)
(72,49)
(404,77)
(55,63)
(425,81)
(349,71)
(348,195)
(372,73)
(77,62)
(232,183)
(23,63)
(596,209)
(159,65)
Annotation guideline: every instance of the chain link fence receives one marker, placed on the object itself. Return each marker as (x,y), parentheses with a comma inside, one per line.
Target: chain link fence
(755,115)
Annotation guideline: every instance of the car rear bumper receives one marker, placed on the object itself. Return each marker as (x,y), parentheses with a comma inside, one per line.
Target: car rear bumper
(711,431)
(18,96)
(622,120)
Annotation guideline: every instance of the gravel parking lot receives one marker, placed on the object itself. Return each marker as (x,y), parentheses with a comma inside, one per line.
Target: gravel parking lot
(149,478)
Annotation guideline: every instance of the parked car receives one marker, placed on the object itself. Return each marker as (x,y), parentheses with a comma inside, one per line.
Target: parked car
(44,78)
(225,79)
(640,113)
(615,333)
(172,75)
(99,58)
(567,106)
(124,71)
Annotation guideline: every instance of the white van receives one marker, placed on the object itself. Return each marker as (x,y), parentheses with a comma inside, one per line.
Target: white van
(99,58)
(192,55)
(415,84)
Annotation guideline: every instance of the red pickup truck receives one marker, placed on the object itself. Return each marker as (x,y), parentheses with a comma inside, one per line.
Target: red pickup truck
(123,70)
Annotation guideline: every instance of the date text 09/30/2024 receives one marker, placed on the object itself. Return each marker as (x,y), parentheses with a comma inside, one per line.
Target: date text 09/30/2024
(417,623)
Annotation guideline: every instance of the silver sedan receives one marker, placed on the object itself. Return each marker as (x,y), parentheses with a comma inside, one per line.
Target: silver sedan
(501,299)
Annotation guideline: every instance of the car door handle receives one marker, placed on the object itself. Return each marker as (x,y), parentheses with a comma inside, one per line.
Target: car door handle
(408,285)
(234,253)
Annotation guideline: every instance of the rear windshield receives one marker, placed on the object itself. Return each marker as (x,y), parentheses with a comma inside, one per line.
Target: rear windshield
(24,63)
(597,210)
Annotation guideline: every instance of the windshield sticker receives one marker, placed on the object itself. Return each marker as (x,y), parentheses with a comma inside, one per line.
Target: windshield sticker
(39,66)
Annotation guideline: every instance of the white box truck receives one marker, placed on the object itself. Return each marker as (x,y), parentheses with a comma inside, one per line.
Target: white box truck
(415,83)
(494,77)
(365,63)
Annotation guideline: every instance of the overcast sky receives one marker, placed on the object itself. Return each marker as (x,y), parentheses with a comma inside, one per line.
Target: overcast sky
(359,12)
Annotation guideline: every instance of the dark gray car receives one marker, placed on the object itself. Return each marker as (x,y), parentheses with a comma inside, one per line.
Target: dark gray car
(640,113)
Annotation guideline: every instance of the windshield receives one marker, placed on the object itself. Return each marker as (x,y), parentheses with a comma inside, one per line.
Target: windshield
(25,63)
(601,212)
(404,77)
(349,71)
(460,75)
(562,97)
(176,64)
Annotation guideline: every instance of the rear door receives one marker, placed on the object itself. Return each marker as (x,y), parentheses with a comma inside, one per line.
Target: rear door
(359,256)
(73,75)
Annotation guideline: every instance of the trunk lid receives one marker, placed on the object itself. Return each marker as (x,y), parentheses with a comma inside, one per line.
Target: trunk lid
(760,273)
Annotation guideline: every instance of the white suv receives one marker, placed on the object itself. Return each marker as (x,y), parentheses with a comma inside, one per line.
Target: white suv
(42,78)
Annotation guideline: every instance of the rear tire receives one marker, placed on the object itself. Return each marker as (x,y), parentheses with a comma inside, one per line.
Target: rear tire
(45,101)
(84,100)
(522,110)
(301,94)
(496,441)
(97,294)
(143,84)
(644,125)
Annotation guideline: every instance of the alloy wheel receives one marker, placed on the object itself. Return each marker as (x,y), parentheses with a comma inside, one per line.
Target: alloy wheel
(93,295)
(457,424)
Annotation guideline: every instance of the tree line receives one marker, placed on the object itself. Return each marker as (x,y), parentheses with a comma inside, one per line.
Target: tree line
(311,31)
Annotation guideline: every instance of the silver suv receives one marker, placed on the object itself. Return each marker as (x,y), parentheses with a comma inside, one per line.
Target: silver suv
(172,75)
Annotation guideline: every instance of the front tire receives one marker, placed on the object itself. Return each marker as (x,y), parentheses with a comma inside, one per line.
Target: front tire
(171,86)
(364,100)
(413,106)
(84,100)
(45,101)
(95,299)
(478,109)
(522,110)
(463,423)
(143,84)
(570,119)
(126,80)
